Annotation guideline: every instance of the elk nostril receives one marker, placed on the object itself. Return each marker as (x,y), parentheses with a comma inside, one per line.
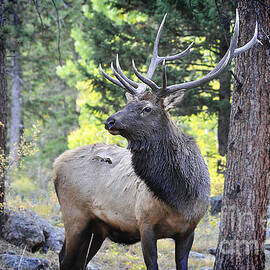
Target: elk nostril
(110,123)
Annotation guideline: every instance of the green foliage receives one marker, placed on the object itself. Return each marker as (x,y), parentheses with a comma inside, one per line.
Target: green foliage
(115,27)
(70,111)
(28,147)
(116,30)
(91,127)
(24,186)
(48,102)
(187,21)
(95,102)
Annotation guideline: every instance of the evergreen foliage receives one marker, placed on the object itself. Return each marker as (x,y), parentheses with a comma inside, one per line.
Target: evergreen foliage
(67,98)
(110,27)
(113,27)
(48,103)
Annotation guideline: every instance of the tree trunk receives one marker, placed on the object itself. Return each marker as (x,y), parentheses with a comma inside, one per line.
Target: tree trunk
(243,217)
(224,113)
(3,114)
(16,112)
(224,96)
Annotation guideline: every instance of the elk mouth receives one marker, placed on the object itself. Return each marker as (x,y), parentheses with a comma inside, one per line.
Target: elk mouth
(114,132)
(110,125)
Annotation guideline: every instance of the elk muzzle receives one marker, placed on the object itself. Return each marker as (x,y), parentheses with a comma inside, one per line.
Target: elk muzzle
(110,125)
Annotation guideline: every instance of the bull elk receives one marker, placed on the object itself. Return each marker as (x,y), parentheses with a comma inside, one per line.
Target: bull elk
(157,188)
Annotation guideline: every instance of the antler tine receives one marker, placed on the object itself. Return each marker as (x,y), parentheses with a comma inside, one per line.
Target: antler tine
(126,85)
(208,77)
(145,80)
(247,46)
(156,59)
(133,87)
(164,76)
(153,64)
(134,84)
(179,55)
(232,52)
(110,78)
(156,43)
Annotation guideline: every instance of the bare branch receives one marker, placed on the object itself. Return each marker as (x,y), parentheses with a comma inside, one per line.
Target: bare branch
(59,33)
(38,12)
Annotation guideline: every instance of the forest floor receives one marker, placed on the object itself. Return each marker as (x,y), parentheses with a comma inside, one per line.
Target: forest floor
(114,256)
(120,257)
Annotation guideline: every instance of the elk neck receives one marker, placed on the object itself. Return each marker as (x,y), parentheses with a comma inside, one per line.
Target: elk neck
(171,165)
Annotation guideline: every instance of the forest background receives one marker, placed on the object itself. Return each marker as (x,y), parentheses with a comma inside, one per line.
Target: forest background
(59,100)
(62,99)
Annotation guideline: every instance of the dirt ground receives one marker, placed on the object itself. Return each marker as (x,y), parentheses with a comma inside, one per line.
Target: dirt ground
(119,257)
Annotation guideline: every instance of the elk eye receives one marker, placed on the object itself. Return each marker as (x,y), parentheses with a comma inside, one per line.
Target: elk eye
(147,109)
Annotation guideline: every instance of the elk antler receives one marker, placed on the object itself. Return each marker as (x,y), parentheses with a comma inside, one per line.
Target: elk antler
(163,91)
(133,87)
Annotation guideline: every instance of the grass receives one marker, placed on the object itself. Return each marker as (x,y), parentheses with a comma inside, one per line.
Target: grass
(123,257)
(120,257)
(113,256)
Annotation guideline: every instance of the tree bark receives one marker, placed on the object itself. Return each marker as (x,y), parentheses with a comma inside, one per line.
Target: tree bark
(3,113)
(224,113)
(243,217)
(16,111)
(224,96)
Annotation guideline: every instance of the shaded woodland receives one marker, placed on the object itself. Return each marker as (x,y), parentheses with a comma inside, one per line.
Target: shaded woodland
(53,98)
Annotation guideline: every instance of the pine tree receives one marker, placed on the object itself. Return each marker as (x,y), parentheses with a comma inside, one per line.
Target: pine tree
(3,110)
(243,217)
(210,24)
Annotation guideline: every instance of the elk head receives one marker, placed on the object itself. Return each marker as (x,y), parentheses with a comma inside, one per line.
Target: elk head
(148,110)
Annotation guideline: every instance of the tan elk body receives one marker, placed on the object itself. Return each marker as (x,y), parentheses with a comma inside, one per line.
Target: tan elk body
(119,198)
(157,188)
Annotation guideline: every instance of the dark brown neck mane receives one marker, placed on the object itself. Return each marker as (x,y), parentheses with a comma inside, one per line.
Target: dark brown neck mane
(171,165)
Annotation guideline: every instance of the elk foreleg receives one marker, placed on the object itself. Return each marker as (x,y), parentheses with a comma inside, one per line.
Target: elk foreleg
(62,252)
(76,232)
(183,244)
(89,249)
(149,247)
(69,252)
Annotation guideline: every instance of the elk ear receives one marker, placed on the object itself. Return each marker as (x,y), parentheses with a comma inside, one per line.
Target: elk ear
(129,97)
(173,100)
